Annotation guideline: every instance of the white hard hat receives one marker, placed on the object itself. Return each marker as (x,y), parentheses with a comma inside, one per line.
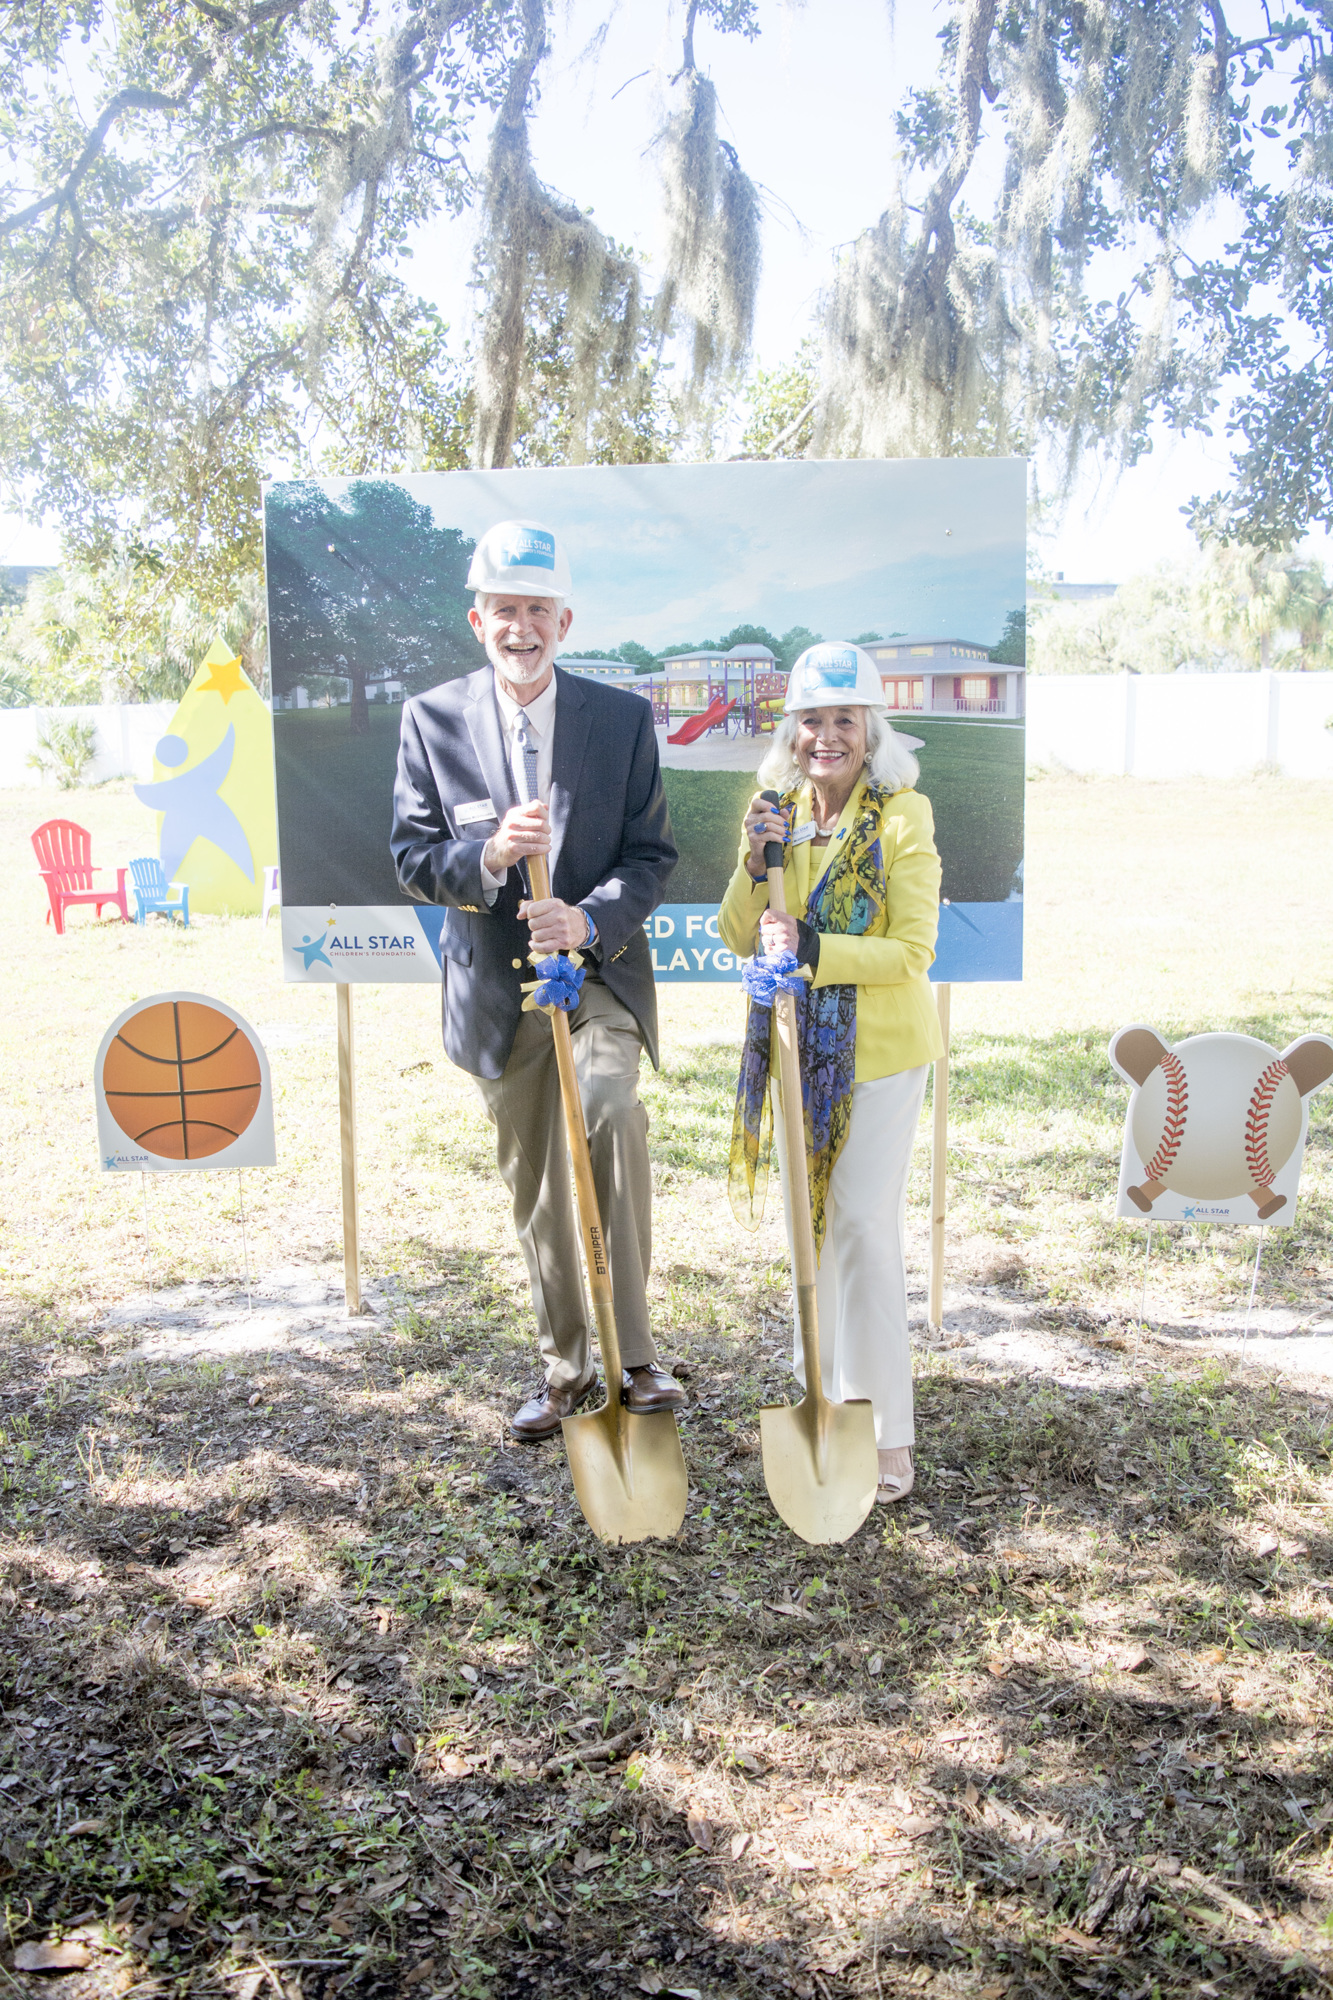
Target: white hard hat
(834,674)
(522,556)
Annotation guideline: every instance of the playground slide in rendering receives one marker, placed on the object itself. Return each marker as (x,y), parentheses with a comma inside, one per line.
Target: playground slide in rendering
(694,726)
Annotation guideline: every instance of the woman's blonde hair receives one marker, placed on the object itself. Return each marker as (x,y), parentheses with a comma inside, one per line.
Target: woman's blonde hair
(889,762)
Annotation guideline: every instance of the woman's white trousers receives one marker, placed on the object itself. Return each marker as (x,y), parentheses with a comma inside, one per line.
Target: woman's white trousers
(862,1281)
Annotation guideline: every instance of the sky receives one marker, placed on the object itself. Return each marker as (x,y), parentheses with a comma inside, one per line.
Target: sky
(810,114)
(669,553)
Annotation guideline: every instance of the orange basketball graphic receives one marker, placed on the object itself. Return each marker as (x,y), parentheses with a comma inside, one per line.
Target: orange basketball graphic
(181,1079)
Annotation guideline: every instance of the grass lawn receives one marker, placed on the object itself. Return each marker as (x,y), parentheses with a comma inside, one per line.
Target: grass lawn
(343,854)
(307,1681)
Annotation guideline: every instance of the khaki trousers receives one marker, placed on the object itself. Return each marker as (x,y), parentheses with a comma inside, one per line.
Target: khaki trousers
(861,1285)
(530,1148)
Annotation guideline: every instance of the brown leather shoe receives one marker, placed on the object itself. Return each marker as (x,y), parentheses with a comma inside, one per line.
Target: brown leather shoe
(540,1415)
(644,1390)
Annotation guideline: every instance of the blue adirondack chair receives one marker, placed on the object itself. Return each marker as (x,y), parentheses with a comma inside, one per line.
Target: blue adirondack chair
(152,891)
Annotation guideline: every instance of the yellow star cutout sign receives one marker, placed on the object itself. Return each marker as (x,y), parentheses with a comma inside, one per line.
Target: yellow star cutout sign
(226,676)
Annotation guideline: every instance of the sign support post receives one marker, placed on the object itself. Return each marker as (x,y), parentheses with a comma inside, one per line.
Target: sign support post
(938,1165)
(347,1136)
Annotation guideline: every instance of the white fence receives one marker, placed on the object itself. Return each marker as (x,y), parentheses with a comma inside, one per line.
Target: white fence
(126,735)
(1182,725)
(1144,725)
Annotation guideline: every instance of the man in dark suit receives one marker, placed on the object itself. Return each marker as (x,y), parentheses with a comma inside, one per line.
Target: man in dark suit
(520,759)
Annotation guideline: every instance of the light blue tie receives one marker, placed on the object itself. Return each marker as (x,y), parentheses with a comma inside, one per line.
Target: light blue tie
(529,749)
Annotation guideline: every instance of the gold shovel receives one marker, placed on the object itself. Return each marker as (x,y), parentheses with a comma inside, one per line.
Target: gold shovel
(629,1470)
(821,1463)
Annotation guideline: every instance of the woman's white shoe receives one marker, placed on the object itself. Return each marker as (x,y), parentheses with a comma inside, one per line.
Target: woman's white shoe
(897,1475)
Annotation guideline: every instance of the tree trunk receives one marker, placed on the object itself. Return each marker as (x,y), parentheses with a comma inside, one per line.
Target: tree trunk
(360,706)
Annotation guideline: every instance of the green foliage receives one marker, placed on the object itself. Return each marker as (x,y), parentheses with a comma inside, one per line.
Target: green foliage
(199,279)
(66,746)
(363,584)
(1012,650)
(1236,608)
(635,655)
(785,649)
(121,632)
(782,407)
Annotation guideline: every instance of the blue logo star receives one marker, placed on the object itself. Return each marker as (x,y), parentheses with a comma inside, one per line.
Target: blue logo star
(313,952)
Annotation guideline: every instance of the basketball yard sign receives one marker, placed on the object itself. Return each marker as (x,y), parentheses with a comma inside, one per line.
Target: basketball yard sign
(182,1082)
(1216,1125)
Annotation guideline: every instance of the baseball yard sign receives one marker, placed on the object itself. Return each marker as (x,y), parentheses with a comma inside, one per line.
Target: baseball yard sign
(693,588)
(1216,1125)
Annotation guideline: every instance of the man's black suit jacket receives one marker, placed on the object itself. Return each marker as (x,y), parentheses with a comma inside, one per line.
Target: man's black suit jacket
(611,840)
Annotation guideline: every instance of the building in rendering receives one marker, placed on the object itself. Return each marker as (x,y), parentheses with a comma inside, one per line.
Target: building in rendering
(947,677)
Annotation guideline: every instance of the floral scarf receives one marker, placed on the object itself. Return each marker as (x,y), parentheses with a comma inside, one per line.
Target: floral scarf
(847,899)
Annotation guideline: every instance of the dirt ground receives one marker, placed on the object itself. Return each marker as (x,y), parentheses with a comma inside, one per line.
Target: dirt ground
(311,1682)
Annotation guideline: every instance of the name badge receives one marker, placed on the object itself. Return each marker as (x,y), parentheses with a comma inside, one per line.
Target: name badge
(800,833)
(475,809)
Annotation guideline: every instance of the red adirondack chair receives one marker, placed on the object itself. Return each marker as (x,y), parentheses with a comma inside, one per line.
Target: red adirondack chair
(64,856)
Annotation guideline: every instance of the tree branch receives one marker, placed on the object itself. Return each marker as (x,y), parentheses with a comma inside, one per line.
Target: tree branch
(135,98)
(929,269)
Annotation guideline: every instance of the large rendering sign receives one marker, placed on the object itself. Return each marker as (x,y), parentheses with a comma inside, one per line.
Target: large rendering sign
(694,587)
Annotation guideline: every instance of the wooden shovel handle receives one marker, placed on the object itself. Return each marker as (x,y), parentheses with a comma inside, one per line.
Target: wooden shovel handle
(789,1073)
(590,1219)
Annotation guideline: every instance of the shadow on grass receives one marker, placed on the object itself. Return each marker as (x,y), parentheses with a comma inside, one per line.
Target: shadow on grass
(304,1669)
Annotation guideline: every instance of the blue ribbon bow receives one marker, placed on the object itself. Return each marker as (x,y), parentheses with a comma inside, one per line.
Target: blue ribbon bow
(558,984)
(764,978)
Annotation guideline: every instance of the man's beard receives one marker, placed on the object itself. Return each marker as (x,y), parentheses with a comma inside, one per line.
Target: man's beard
(525,669)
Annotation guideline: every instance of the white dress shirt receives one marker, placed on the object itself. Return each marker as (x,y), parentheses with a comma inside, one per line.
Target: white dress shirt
(538,718)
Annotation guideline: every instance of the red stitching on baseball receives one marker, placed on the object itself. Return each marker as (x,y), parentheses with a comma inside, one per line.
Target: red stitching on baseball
(1173,1126)
(1256,1123)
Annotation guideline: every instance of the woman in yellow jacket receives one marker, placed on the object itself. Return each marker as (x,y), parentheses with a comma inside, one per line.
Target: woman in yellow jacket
(862,881)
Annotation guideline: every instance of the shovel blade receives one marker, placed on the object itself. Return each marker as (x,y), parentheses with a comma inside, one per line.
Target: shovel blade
(821,1466)
(629,1473)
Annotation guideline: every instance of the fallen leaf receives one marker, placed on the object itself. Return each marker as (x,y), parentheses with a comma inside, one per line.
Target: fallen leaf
(1267,1545)
(585,1861)
(685,1993)
(915,1825)
(1132,1659)
(789,1610)
(602,1964)
(469,1674)
(379,1892)
(198,1599)
(875,1664)
(798,1862)
(453,1766)
(248,1987)
(403,1744)
(650,1982)
(701,1833)
(67,1957)
(739,1843)
(970,1793)
(1216,1655)
(1293,1548)
(85,1826)
(124,1979)
(998,1667)
(420,1972)
(340,1927)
